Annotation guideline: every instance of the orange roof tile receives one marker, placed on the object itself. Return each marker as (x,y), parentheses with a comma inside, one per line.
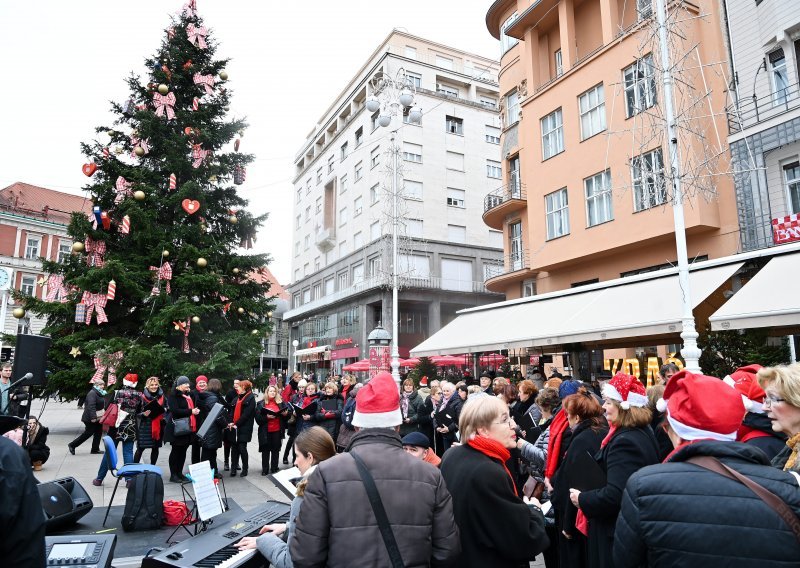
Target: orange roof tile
(265,275)
(42,203)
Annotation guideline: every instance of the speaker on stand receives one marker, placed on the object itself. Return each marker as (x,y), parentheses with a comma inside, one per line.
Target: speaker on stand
(64,501)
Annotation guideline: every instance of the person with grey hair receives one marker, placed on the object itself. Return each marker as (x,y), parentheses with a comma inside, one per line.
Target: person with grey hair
(93,410)
(446,415)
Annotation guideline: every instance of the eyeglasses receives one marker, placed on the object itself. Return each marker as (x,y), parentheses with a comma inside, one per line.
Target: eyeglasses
(507,421)
(771,399)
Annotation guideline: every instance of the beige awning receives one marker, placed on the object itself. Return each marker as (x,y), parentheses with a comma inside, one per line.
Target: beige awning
(311,350)
(770,299)
(639,306)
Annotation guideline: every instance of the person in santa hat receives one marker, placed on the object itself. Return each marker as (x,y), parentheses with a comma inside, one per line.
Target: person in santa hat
(629,446)
(129,401)
(337,526)
(756,428)
(680,513)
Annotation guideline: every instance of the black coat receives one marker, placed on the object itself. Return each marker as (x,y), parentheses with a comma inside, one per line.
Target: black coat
(178,408)
(497,528)
(94,402)
(680,514)
(628,451)
(38,450)
(665,446)
(213,438)
(244,426)
(329,404)
(424,419)
(200,400)
(21,516)
(757,431)
(144,438)
(262,419)
(415,404)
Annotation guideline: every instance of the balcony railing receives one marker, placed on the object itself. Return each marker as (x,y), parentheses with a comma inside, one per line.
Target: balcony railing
(753,110)
(514,190)
(510,263)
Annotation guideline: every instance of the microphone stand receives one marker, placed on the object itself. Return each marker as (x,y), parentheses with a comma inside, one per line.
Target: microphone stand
(26,377)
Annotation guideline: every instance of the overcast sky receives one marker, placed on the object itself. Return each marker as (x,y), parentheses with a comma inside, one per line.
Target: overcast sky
(63,61)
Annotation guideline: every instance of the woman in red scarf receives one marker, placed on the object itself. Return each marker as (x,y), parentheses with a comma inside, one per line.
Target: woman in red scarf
(181,405)
(244,414)
(497,528)
(270,411)
(151,428)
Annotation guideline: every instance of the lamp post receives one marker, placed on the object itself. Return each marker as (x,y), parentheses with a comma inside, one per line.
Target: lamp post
(392,97)
(295,343)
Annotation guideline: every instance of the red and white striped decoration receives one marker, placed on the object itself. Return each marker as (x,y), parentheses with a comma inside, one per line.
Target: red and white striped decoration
(126,225)
(112,290)
(106,153)
(173,182)
(195,103)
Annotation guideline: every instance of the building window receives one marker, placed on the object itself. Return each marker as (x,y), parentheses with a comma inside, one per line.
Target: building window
(358,240)
(447,90)
(358,273)
(512,107)
(358,206)
(318,205)
(457,234)
(343,216)
(342,280)
(306,295)
(374,119)
(297,248)
(299,194)
(32,246)
(412,190)
(375,157)
(412,152)
(644,8)
(454,125)
(28,285)
(373,194)
(455,161)
(528,288)
(649,183)
(598,198)
(444,62)
(359,136)
(297,222)
(455,197)
(514,183)
(343,152)
(308,186)
(64,250)
(319,176)
(557,213)
(493,169)
(307,242)
(487,102)
(414,79)
(515,251)
(457,275)
(308,213)
(495,239)
(343,249)
(414,228)
(375,231)
(374,266)
(330,163)
(791,175)
(559,63)
(552,134)
(316,291)
(358,171)
(780,79)
(592,107)
(414,265)
(507,42)
(296,297)
(640,86)
(317,264)
(342,184)
(492,134)
(329,283)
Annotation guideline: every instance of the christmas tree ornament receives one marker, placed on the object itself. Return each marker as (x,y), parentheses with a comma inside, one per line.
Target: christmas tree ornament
(89,169)
(173,182)
(118,150)
(105,220)
(223,75)
(184,327)
(198,155)
(139,195)
(165,104)
(240,310)
(95,251)
(42,281)
(18,313)
(236,144)
(235,271)
(191,206)
(56,289)
(195,319)
(163,89)
(112,290)
(139,151)
(93,304)
(165,253)
(124,189)
(195,103)
(187,65)
(213,179)
(239,175)
(156,66)
(171,33)
(189,9)
(163,272)
(129,107)
(97,216)
(167,72)
(125,228)
(104,361)
(140,147)
(205,81)
(77,246)
(202,262)
(106,153)
(197,35)
(75,351)
(254,332)
(233,219)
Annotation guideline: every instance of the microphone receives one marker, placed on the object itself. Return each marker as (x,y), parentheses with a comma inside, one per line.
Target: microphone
(27,376)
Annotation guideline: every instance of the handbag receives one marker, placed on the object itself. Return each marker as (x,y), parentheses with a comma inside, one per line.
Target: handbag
(533,488)
(380,513)
(776,503)
(109,417)
(181,426)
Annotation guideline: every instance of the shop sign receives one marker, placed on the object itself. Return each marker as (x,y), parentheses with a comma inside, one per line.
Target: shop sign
(343,341)
(312,344)
(786,229)
(633,367)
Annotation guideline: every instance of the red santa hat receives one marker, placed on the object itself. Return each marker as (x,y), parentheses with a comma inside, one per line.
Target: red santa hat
(378,403)
(130,380)
(627,390)
(700,407)
(423,382)
(744,380)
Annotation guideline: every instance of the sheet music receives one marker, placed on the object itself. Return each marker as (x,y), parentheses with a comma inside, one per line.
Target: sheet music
(283,481)
(206,495)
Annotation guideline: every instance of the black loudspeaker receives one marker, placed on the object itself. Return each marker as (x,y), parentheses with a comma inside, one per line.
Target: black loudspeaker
(64,501)
(30,356)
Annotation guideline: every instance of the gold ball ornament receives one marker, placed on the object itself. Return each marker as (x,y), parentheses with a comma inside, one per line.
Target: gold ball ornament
(163,89)
(240,310)
(195,319)
(139,151)
(77,247)
(233,219)
(165,253)
(223,75)
(139,195)
(19,313)
(202,262)
(254,332)
(235,271)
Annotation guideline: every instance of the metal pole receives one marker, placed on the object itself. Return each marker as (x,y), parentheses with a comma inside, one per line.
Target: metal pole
(3,314)
(690,351)
(395,306)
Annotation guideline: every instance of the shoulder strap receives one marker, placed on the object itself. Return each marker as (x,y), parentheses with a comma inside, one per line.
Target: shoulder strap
(775,502)
(380,513)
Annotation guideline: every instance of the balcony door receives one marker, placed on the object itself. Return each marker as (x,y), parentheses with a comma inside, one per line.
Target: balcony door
(513,178)
(515,246)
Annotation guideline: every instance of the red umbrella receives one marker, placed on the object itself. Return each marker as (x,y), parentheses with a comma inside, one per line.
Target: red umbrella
(492,359)
(412,362)
(362,365)
(447,361)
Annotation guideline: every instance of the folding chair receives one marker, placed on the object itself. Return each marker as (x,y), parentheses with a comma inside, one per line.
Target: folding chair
(126,472)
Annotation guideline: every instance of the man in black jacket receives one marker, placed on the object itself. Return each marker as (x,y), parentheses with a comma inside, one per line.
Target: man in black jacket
(680,513)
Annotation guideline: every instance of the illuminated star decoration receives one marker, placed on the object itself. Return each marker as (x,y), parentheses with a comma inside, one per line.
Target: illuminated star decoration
(75,351)
(41,281)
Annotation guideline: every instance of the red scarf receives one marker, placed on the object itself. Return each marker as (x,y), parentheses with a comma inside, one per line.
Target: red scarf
(557,428)
(192,419)
(155,424)
(494,450)
(611,431)
(237,412)
(273,422)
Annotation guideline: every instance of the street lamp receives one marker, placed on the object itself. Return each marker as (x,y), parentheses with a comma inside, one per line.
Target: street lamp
(392,97)
(295,343)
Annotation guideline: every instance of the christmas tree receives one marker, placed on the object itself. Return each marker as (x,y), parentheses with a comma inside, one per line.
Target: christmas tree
(155,285)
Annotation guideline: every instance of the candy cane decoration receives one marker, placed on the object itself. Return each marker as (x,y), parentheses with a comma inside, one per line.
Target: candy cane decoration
(195,103)
(173,182)
(112,290)
(126,225)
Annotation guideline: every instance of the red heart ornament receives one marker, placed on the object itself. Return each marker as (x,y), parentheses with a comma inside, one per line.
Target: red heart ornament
(190,206)
(89,169)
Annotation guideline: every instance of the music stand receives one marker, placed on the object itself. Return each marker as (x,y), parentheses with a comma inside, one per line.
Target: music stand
(207,503)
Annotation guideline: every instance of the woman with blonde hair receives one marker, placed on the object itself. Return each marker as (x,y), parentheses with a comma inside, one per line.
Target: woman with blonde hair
(781,385)
(311,447)
(269,412)
(329,409)
(497,527)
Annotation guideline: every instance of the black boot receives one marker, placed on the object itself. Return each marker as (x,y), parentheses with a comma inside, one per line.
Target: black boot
(245,459)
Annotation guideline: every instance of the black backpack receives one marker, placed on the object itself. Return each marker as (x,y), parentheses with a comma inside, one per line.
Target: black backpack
(144,506)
